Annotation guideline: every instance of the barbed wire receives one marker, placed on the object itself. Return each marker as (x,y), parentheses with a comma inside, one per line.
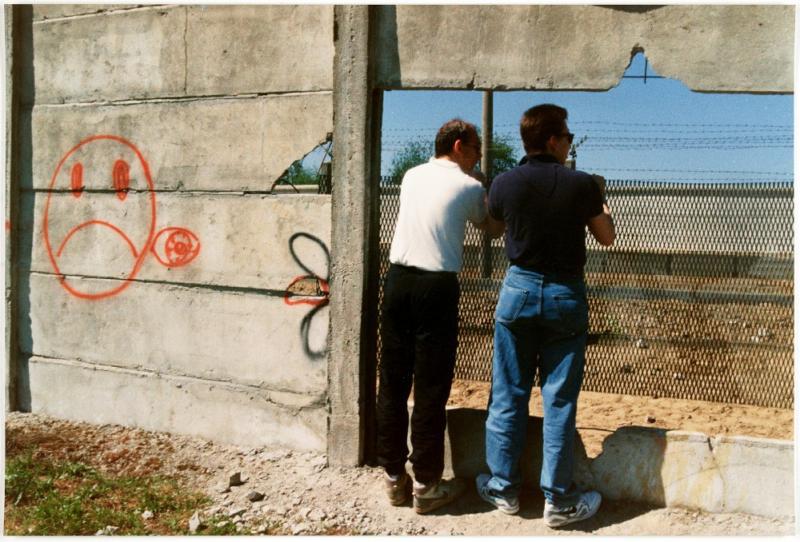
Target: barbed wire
(732,139)
(720,171)
(671,124)
(735,183)
(652,147)
(661,127)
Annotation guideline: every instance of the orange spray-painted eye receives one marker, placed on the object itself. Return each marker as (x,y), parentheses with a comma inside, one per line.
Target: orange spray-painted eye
(122,178)
(76,179)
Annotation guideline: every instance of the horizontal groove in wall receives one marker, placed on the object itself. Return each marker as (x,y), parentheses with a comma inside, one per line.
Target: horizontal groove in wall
(111,11)
(182,192)
(181,99)
(181,285)
(313,401)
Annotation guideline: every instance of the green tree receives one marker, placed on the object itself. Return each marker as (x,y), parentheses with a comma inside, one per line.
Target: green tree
(417,152)
(297,175)
(504,157)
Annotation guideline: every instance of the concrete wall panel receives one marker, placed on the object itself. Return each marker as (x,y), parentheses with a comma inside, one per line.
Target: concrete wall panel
(240,241)
(741,48)
(131,54)
(246,338)
(243,416)
(585,47)
(224,145)
(241,49)
(499,47)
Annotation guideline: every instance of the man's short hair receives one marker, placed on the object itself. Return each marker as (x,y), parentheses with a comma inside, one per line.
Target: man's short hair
(539,123)
(450,132)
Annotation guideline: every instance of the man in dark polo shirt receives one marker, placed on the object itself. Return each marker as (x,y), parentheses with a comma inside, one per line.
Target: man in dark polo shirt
(542,316)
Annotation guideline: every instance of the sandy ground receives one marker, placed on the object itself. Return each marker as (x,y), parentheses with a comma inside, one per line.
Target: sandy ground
(305,496)
(600,414)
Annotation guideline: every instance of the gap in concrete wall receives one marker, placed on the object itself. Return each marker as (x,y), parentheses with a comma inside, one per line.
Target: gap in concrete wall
(649,132)
(646,128)
(309,174)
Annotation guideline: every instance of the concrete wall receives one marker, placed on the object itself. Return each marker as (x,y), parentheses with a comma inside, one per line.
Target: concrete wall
(163,305)
(709,48)
(150,257)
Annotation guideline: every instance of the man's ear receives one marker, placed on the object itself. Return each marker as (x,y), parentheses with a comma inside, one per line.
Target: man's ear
(551,144)
(458,146)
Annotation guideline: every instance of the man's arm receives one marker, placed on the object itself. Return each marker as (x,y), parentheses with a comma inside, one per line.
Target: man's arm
(491,226)
(602,227)
(494,228)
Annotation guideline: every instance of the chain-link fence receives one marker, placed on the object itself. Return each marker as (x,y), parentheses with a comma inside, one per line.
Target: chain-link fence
(693,301)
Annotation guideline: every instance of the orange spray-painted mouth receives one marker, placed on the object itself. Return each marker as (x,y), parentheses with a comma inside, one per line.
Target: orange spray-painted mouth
(74,230)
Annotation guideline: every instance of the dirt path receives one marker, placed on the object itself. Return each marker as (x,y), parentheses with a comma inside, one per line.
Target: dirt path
(304,496)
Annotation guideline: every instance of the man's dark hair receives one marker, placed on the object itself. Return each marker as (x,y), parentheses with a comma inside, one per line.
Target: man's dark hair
(539,123)
(450,132)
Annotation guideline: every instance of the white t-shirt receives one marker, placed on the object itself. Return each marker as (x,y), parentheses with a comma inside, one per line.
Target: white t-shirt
(436,200)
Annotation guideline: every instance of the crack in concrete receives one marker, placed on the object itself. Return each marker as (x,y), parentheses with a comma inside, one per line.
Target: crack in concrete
(181,99)
(185,49)
(177,191)
(717,468)
(182,285)
(101,12)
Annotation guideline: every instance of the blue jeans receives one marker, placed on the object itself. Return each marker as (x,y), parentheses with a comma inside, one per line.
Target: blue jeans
(539,321)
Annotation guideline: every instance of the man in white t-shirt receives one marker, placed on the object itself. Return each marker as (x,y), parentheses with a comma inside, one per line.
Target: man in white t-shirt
(420,314)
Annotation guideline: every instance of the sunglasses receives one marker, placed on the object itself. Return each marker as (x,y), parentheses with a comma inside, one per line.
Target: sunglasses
(569,135)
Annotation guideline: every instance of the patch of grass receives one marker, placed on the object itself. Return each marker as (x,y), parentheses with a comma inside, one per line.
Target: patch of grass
(47,497)
(225,527)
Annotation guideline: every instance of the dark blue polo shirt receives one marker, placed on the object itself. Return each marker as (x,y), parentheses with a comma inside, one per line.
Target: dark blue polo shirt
(545,207)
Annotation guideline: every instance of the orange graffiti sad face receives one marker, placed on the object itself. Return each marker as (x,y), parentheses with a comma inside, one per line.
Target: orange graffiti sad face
(100,213)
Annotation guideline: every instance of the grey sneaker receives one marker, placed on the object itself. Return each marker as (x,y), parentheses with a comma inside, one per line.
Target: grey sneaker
(507,505)
(437,494)
(585,508)
(398,490)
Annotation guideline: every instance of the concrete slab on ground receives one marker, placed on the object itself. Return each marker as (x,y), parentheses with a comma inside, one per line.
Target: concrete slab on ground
(652,466)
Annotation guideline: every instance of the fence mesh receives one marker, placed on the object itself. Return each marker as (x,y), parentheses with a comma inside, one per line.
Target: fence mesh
(693,301)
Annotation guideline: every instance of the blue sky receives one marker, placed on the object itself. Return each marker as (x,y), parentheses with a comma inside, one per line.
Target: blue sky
(655,131)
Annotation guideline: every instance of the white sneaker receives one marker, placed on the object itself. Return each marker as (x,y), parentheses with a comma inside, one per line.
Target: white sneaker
(437,494)
(507,505)
(586,507)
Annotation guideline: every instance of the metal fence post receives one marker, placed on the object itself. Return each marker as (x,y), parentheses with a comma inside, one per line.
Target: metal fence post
(486,168)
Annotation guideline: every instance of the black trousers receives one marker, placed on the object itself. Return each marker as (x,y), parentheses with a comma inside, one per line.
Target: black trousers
(419,335)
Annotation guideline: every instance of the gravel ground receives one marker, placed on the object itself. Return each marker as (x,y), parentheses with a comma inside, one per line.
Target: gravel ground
(302,495)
